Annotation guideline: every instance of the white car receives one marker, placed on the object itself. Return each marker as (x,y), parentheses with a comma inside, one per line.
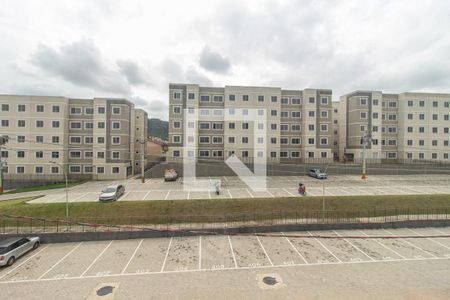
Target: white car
(112,192)
(13,248)
(316,173)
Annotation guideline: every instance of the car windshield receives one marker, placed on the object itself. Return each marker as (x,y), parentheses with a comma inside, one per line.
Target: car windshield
(109,189)
(3,250)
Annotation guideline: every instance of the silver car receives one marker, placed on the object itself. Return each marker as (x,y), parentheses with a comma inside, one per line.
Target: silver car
(13,248)
(112,192)
(316,173)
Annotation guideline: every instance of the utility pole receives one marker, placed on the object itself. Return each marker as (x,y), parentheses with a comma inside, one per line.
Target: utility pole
(365,139)
(142,142)
(3,140)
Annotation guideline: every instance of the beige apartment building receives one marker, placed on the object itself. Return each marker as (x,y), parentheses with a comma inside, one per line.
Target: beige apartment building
(406,127)
(293,125)
(95,139)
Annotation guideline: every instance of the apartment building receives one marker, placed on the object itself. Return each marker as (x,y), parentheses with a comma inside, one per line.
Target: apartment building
(335,106)
(86,138)
(404,127)
(283,126)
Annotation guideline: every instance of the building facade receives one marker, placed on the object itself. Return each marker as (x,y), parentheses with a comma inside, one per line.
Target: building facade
(405,127)
(86,138)
(214,123)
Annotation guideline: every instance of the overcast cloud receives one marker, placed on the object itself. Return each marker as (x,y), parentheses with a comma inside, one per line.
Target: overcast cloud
(134,49)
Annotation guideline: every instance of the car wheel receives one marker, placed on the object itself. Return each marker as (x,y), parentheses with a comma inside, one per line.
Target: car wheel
(11,261)
(36,245)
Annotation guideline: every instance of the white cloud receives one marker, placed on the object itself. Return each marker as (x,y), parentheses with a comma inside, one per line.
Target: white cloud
(135,48)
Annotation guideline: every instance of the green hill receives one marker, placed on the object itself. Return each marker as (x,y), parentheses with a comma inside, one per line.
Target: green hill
(158,128)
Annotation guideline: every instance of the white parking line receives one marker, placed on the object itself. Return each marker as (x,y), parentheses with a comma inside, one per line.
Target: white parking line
(232,252)
(296,250)
(320,243)
(265,252)
(288,192)
(189,194)
(440,232)
(223,269)
(126,195)
(412,245)
(79,197)
(95,260)
(167,254)
(251,195)
(13,269)
(167,195)
(384,246)
(430,239)
(271,195)
(229,194)
(351,244)
(59,261)
(132,256)
(200,252)
(145,196)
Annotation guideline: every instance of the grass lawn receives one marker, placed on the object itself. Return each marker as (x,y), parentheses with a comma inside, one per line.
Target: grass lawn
(229,209)
(43,187)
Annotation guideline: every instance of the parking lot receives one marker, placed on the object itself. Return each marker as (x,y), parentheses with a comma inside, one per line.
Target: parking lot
(117,258)
(280,186)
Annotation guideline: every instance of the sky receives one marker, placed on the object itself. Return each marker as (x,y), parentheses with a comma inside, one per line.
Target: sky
(134,49)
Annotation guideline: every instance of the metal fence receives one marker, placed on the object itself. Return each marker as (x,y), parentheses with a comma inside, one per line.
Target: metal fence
(27,225)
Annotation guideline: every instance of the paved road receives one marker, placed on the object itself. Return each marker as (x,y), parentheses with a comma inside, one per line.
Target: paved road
(329,264)
(286,186)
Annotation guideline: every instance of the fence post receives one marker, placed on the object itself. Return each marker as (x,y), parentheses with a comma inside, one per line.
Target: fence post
(17,225)
(57,225)
(31,225)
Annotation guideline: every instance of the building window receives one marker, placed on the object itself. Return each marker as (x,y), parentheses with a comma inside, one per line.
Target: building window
(410,103)
(375,102)
(21,123)
(435,104)
(284,141)
(295,101)
(39,108)
(295,114)
(176,95)
(217,98)
(75,125)
(312,100)
(55,139)
(324,100)
(116,110)
(311,141)
(392,104)
(101,110)
(100,170)
(204,153)
(176,153)
(231,139)
(231,125)
(75,169)
(273,140)
(75,110)
(21,108)
(324,114)
(204,98)
(217,140)
(274,99)
(244,153)
(311,154)
(295,154)
(100,154)
(295,141)
(421,155)
(39,169)
(324,141)
(75,140)
(75,154)
(244,97)
(39,124)
(410,116)
(421,116)
(231,97)
(245,126)
(422,103)
(296,127)
(392,155)
(410,142)
(284,100)
(88,125)
(433,155)
(434,143)
(284,114)
(260,98)
(116,125)
(39,139)
(273,112)
(217,126)
(116,155)
(100,140)
(434,130)
(311,127)
(39,154)
(101,125)
(177,110)
(191,96)
(312,113)
(55,170)
(5,107)
(323,154)
(88,110)
(273,126)
(363,115)
(116,140)
(204,126)
(435,117)
(204,140)
(55,124)
(5,123)
(273,154)
(363,101)
(410,129)
(324,127)
(88,169)
(421,143)
(244,140)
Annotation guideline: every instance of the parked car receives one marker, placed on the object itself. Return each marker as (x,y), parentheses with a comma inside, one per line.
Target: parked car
(112,192)
(316,173)
(13,248)
(170,174)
